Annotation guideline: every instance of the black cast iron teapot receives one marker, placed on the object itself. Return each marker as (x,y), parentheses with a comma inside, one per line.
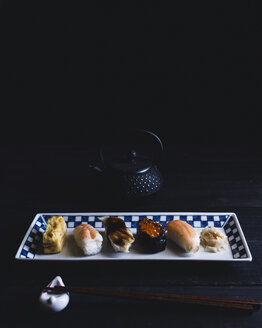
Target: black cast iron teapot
(129,166)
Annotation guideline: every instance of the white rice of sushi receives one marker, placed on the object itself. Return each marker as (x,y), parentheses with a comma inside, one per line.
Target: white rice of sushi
(92,246)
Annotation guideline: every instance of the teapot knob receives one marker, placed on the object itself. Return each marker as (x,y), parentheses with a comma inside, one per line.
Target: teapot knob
(132,154)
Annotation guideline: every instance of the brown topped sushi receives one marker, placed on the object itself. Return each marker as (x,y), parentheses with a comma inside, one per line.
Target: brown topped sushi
(118,234)
(152,235)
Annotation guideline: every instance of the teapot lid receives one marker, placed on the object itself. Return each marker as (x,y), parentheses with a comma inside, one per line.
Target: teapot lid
(131,163)
(119,150)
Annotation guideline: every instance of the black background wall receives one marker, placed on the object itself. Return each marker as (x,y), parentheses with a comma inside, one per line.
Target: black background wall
(190,71)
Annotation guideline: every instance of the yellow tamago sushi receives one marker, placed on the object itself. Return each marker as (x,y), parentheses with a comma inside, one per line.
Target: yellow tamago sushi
(55,235)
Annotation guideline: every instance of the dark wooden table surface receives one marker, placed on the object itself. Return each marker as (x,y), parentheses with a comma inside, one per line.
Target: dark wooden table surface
(48,178)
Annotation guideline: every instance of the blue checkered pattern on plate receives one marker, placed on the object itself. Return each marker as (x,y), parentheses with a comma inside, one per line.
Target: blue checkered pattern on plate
(234,239)
(31,244)
(197,221)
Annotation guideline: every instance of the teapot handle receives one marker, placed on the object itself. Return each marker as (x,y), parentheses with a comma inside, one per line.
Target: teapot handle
(156,137)
(101,155)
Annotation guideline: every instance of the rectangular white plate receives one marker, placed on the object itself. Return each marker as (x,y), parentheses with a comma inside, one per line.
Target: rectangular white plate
(237,249)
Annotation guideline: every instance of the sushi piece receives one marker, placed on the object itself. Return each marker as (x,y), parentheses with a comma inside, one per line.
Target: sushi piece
(88,239)
(55,235)
(118,234)
(152,235)
(184,235)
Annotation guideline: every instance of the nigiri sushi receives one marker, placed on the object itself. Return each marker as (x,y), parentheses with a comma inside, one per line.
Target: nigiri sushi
(184,235)
(152,235)
(55,235)
(88,239)
(119,236)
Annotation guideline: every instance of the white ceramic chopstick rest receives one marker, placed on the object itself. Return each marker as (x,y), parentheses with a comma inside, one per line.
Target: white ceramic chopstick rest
(54,302)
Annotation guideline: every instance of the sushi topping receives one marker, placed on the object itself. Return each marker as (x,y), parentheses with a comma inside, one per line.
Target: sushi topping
(113,224)
(121,236)
(118,234)
(152,235)
(86,231)
(150,227)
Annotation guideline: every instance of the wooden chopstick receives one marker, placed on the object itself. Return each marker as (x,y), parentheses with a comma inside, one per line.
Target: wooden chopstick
(236,303)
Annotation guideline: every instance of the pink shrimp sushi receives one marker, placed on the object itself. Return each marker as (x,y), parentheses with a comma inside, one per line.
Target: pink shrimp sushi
(88,239)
